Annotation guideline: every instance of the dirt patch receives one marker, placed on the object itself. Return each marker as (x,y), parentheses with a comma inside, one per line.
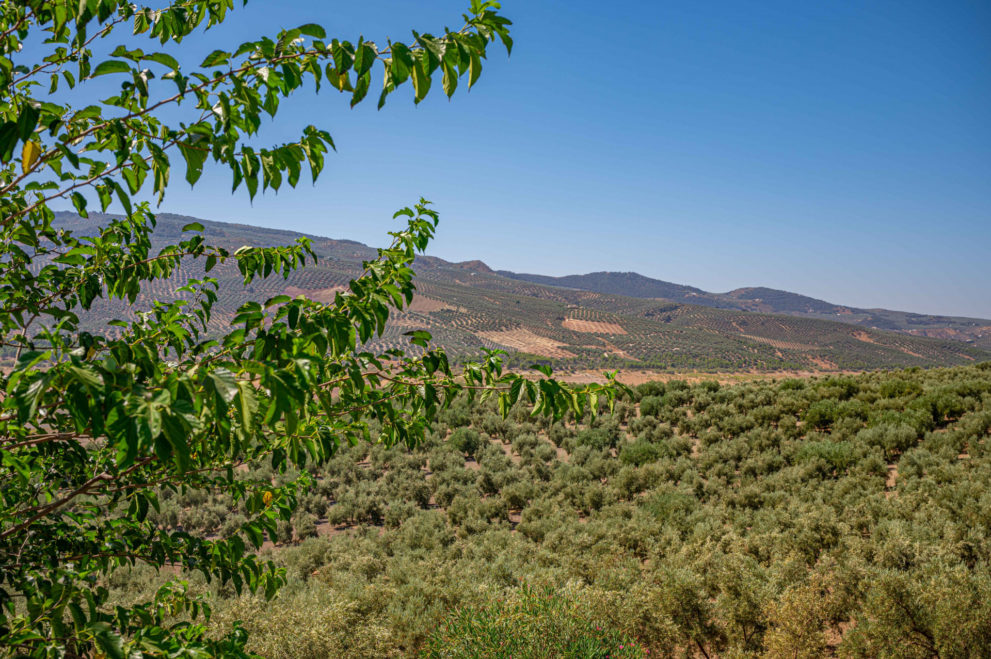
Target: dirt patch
(823,363)
(322,295)
(891,481)
(526,341)
(864,336)
(592,326)
(423,304)
(867,338)
(618,351)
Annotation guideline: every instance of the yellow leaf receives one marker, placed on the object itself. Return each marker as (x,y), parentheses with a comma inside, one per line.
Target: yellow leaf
(29,156)
(267,498)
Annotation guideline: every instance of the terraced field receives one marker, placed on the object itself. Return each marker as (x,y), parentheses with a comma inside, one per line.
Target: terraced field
(468,307)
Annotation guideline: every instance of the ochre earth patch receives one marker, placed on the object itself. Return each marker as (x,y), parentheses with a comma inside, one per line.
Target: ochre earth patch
(592,326)
(526,341)
(423,304)
(322,295)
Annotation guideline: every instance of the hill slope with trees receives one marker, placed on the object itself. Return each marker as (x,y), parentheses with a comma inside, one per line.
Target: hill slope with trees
(976,331)
(468,307)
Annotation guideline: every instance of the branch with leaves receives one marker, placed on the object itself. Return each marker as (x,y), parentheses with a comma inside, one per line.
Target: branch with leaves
(94,425)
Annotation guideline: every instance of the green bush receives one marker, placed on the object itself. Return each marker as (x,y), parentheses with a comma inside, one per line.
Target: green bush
(651,405)
(466,440)
(529,622)
(640,452)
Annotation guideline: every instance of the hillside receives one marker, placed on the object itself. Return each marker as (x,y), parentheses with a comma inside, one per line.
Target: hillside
(976,331)
(467,306)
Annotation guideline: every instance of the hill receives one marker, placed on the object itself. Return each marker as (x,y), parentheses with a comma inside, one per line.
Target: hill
(467,306)
(976,331)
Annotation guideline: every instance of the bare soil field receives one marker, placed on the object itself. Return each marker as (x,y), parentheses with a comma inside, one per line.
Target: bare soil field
(592,326)
(423,304)
(527,341)
(322,295)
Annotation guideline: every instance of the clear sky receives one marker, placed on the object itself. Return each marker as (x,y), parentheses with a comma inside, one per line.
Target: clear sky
(839,149)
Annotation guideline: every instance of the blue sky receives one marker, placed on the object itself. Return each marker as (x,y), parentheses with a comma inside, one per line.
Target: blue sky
(841,150)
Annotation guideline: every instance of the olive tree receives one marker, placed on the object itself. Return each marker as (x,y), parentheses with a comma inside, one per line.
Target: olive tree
(94,424)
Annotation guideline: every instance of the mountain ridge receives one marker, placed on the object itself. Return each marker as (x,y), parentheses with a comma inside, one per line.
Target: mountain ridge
(467,306)
(754,298)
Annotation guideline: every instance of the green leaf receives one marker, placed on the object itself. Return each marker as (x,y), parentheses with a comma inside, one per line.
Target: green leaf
(421,81)
(164,59)
(8,140)
(225,384)
(111,66)
(313,30)
(474,69)
(543,368)
(248,405)
(26,122)
(402,64)
(194,156)
(364,59)
(419,337)
(450,79)
(216,58)
(193,226)
(360,89)
(110,643)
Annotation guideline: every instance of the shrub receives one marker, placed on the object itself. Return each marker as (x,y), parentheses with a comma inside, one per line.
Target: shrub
(651,405)
(595,438)
(466,440)
(529,622)
(650,389)
(640,453)
(821,414)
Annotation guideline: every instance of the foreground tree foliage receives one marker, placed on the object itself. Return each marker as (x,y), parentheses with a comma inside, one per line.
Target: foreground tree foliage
(95,429)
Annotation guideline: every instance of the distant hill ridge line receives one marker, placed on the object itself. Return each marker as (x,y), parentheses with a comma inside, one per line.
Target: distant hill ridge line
(629,283)
(617,290)
(744,299)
